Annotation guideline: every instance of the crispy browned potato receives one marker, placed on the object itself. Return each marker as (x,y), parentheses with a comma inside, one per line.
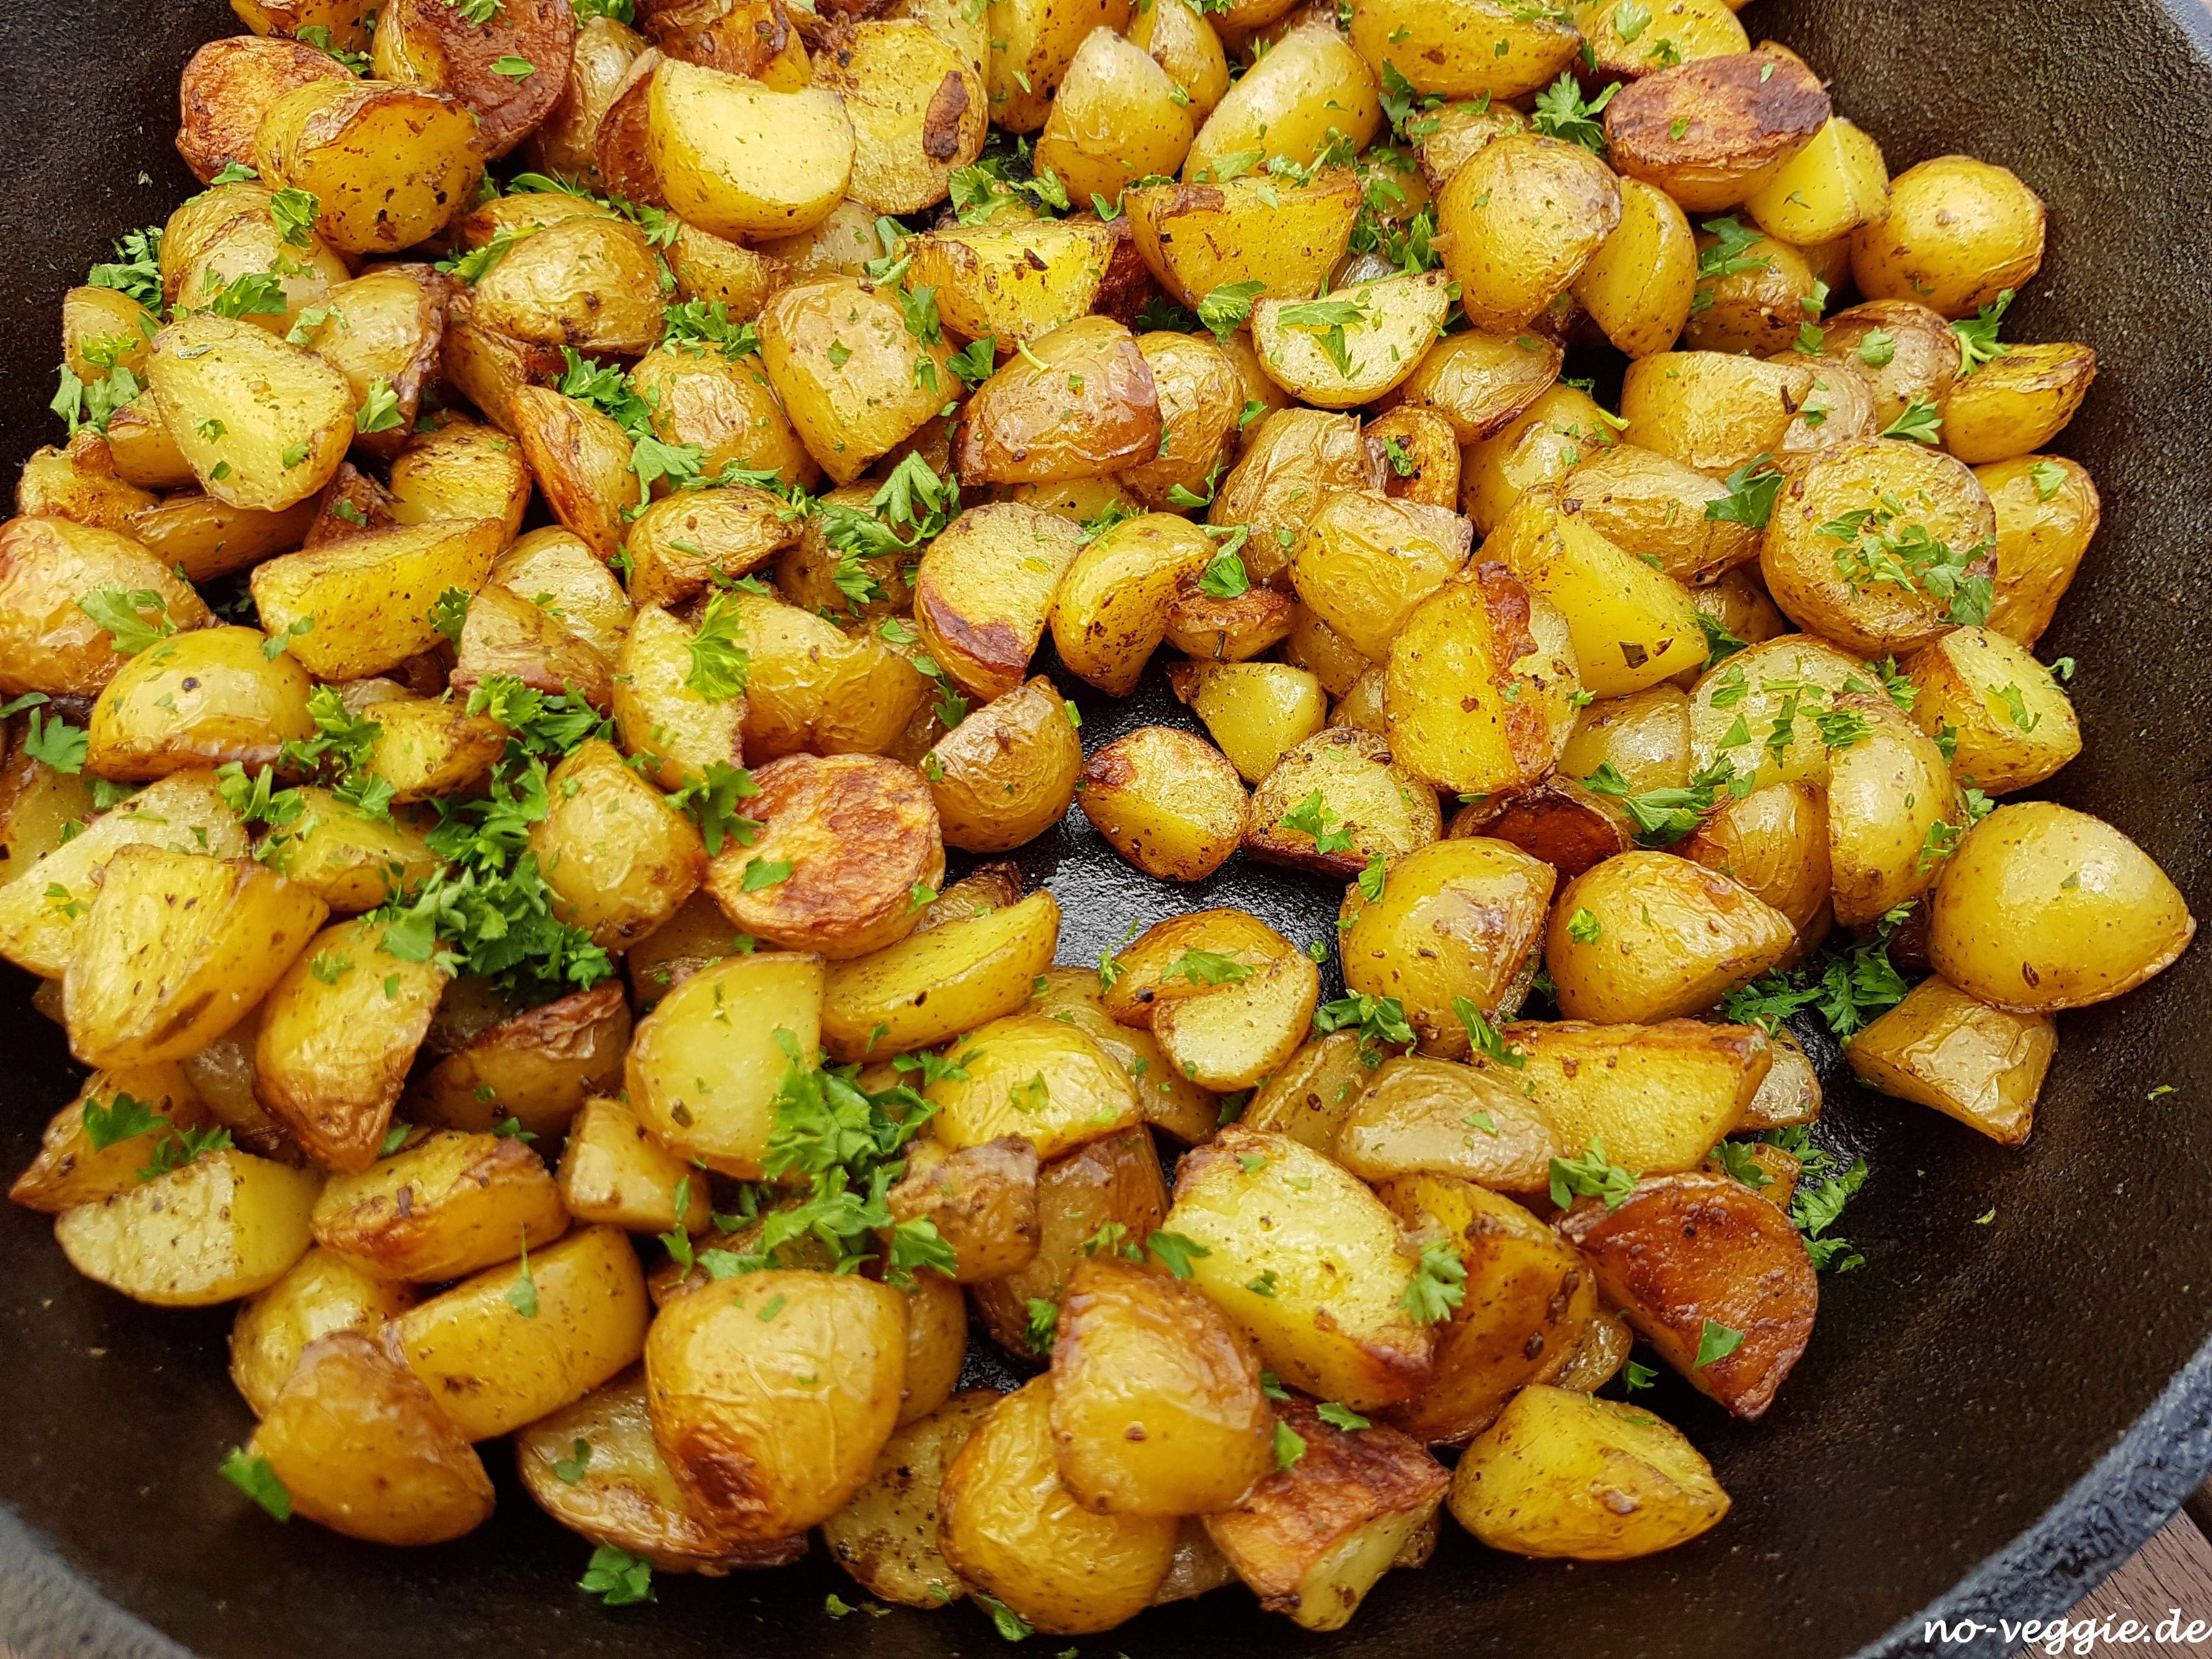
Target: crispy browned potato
(1568,827)
(340,140)
(592,1466)
(1233,630)
(1529,1300)
(538,1066)
(1116,1180)
(443,1208)
(582,461)
(1009,1527)
(362,1448)
(1368,806)
(1312,1538)
(1685,1255)
(850,853)
(985,592)
(586,281)
(567,141)
(226,89)
(1198,237)
(758,1449)
(752,38)
(1170,803)
(80,484)
(1710,131)
(428,43)
(983,1200)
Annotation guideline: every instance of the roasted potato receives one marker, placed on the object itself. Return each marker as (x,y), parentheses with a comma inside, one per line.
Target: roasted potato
(2047,511)
(852,381)
(203,698)
(1169,1100)
(585,281)
(1713,131)
(388,165)
(985,590)
(370,597)
(982,1199)
(1892,810)
(1941,1047)
(1524,215)
(1012,282)
(567,141)
(1438,51)
(1710,411)
(938,983)
(221,1226)
(612,1173)
(443,1208)
(227,89)
(537,1066)
(2018,403)
(321,1294)
(772,1395)
(1683,1254)
(1959,233)
(1313,1092)
(1196,238)
(2009,723)
(1704,934)
(1658,1095)
(618,857)
(427,43)
(91,1147)
(1109,611)
(2043,908)
(1479,382)
(1417,1115)
(1341,787)
(1257,712)
(1774,842)
(886,1537)
(916,110)
(1565,1473)
(1033,1076)
(1079,402)
(1169,803)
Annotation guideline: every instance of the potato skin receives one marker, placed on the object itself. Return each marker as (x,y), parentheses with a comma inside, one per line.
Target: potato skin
(70,1170)
(1980,1065)
(363,1448)
(426,42)
(1420,1116)
(1006,773)
(619,860)
(1008,1525)
(1156,1401)
(1564,1474)
(237,704)
(1170,803)
(1958,233)
(227,88)
(860,834)
(849,412)
(1743,115)
(319,1294)
(1682,1250)
(46,564)
(982,1199)
(2005,929)
(1030,425)
(1525,214)
(950,975)
(1635,975)
(1036,1076)
(445,1207)
(2040,540)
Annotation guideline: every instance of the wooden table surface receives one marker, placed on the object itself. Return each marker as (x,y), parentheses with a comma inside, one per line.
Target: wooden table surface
(2173,1571)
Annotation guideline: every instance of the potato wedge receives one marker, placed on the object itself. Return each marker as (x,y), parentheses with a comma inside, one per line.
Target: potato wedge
(494,1367)
(585,281)
(886,1537)
(460,471)
(620,860)
(537,1067)
(1090,409)
(203,698)
(1312,1538)
(1391,325)
(1169,803)
(1256,712)
(1313,1091)
(1658,1095)
(1524,215)
(612,1173)
(1007,772)
(320,1293)
(1169,1101)
(2017,404)
(1234,1037)
(1706,934)
(1564,1474)
(1980,1065)
(1334,1324)
(46,564)
(1774,841)
(1030,1075)
(222,1227)
(91,1147)
(262,422)
(621,1494)
(1417,1115)
(758,1451)
(933,985)
(176,947)
(705,1086)
(916,110)
(1196,238)
(738,158)
(1342,785)
(2047,511)
(371,596)
(1365,561)
(442,1208)
(850,376)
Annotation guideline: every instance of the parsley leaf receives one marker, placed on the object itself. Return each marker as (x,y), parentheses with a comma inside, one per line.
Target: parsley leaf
(1978,338)
(1716,1341)
(120,611)
(1224,578)
(1176,1252)
(1560,112)
(1206,967)
(1227,309)
(1591,1176)
(1044,1325)
(1922,423)
(1289,1445)
(120,1119)
(620,1578)
(1340,1417)
(720,665)
(1438,1283)
(254,1477)
(1314,816)
(1752,490)
(1377,1019)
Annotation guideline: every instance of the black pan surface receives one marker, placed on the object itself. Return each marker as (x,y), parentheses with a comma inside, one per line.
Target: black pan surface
(1991,1417)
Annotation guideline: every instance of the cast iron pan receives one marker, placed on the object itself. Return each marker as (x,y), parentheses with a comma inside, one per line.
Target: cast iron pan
(1991,1417)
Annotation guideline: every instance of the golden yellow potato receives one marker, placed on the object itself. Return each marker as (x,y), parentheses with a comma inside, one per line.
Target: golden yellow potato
(1077,402)
(1655,507)
(1460,129)
(1312,1093)
(1031,44)
(567,140)
(1311,1540)
(1116,119)
(227,89)
(1545,442)
(1335,1325)
(363,1448)
(1710,411)
(1169,1100)
(175,948)
(623,1495)
(1315,647)
(1481,685)
(1791,1093)
(985,590)
(1168,961)
(739,159)
(2017,404)
(388,165)
(1010,1528)
(506,637)
(886,1537)
(1563,1474)
(1893,812)
(813,686)
(1741,702)
(536,1065)
(586,281)
(1658,1095)
(1525,214)
(1013,282)
(1529,1301)
(46,565)
(1906,351)
(505,1347)
(2043,908)
(2047,511)
(1365,560)
(1115,1180)
(1171,804)
(1203,409)
(612,1173)
(938,982)
(1829,570)
(916,110)
(2010,724)
(73,1167)
(1958,232)
(201,699)
(1292,460)
(1197,238)
(1759,306)
(702,1083)
(442,1208)
(1417,1115)
(338,1032)
(1231,1037)
(1941,1047)
(1342,785)
(41,927)
(618,858)
(982,1199)
(1645,737)
(1481,49)
(1311,85)
(1639,286)
(659,715)
(682,543)
(1774,842)
(727,406)
(841,246)
(460,471)
(1257,712)
(1110,610)
(1155,1404)
(229,232)
(1704,933)
(1829,189)
(848,854)
(426,746)
(852,381)
(371,596)
(1477,382)
(1185,45)
(263,423)
(1711,131)
(319,1294)
(80,484)
(1031,1075)
(772,1393)
(222,1227)
(1643,39)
